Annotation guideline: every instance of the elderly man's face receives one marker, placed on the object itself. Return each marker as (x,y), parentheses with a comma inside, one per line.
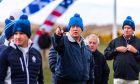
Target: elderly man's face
(93,44)
(75,31)
(128,31)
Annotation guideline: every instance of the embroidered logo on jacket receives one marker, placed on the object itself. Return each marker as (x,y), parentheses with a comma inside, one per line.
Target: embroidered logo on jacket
(34,59)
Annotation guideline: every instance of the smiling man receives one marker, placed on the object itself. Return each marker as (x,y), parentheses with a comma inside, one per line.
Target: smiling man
(25,62)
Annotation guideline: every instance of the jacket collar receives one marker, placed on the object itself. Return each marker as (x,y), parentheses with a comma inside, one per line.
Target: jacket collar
(30,43)
(71,39)
(6,42)
(130,38)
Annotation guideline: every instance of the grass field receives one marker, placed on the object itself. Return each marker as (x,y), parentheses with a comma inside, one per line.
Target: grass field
(47,73)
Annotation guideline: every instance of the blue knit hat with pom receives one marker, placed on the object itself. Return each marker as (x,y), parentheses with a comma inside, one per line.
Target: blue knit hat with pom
(76,20)
(23,25)
(8,30)
(130,22)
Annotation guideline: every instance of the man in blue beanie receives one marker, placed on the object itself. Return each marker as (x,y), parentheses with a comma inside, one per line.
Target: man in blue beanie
(13,16)
(8,39)
(23,61)
(7,35)
(74,61)
(8,31)
(125,51)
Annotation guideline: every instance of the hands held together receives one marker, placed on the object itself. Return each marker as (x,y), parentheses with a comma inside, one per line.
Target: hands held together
(124,49)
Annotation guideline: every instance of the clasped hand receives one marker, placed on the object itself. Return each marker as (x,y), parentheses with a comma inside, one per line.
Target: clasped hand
(124,49)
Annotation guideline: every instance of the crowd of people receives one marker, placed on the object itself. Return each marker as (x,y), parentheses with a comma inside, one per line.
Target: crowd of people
(72,59)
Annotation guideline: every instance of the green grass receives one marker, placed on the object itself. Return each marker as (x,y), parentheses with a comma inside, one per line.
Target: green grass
(47,76)
(47,73)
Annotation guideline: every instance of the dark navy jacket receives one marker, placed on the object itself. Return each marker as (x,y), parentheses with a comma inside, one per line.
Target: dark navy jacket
(101,68)
(52,59)
(2,47)
(29,72)
(125,64)
(75,62)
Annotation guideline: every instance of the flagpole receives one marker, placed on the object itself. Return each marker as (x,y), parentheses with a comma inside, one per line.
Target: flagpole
(114,30)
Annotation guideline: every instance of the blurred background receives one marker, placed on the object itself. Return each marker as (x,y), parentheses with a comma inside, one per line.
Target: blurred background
(101,17)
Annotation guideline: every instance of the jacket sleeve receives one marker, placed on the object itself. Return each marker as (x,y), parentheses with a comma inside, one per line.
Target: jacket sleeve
(137,56)
(3,67)
(91,73)
(106,72)
(40,75)
(110,51)
(58,43)
(52,59)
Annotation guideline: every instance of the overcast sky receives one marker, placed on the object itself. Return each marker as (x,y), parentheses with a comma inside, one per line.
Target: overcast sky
(92,11)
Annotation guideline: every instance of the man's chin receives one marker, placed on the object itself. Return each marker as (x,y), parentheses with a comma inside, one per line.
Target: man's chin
(18,44)
(75,36)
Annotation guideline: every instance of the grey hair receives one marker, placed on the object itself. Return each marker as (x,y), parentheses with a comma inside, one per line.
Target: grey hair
(93,36)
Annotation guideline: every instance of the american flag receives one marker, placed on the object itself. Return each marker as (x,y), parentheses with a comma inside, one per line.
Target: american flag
(55,14)
(51,19)
(35,6)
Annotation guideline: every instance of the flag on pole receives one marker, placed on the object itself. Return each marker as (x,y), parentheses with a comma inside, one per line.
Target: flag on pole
(50,20)
(35,6)
(55,14)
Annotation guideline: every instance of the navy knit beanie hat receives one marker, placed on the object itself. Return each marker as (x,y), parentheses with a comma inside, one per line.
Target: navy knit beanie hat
(76,20)
(130,22)
(8,30)
(23,25)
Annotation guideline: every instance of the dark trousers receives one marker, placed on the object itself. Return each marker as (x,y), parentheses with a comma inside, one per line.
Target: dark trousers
(70,82)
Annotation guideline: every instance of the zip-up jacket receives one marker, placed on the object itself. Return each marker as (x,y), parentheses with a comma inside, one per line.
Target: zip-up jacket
(125,65)
(4,45)
(52,59)
(22,71)
(101,68)
(75,61)
(2,48)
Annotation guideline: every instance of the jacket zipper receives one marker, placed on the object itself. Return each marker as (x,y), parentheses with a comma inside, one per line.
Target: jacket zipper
(26,67)
(27,70)
(21,64)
